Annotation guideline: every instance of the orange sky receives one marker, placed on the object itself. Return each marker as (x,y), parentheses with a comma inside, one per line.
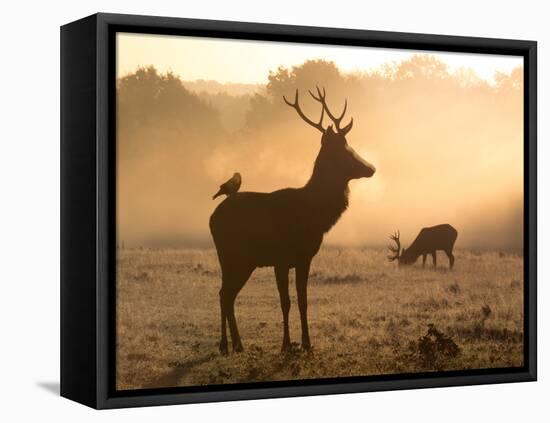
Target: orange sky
(246,61)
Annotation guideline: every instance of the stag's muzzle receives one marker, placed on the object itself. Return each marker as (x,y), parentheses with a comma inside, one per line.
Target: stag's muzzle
(361,168)
(368,169)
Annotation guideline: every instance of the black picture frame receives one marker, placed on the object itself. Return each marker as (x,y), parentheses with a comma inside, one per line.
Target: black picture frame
(88,244)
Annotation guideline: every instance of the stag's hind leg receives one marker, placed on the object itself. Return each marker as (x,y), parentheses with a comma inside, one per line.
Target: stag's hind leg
(232,282)
(223,341)
(281,275)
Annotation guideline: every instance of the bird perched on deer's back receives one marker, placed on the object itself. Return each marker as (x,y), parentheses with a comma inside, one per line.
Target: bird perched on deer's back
(229,187)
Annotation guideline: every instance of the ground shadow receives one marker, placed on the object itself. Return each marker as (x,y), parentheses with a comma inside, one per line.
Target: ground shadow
(51,387)
(172,378)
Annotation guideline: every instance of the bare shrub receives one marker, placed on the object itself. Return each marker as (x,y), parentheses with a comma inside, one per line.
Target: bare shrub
(454,288)
(433,349)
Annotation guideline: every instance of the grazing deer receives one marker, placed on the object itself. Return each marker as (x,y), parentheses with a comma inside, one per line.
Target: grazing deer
(285,228)
(428,241)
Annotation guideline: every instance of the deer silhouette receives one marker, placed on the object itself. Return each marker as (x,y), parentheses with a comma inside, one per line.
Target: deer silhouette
(285,228)
(428,241)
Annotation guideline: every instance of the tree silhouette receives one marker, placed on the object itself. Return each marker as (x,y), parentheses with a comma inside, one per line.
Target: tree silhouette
(177,137)
(148,99)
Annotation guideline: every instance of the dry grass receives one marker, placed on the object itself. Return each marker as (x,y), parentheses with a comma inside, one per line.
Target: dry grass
(366,316)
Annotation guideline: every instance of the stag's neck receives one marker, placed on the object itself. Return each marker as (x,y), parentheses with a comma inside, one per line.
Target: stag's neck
(328,200)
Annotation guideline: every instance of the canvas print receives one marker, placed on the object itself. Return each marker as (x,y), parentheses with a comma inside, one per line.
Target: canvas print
(291,212)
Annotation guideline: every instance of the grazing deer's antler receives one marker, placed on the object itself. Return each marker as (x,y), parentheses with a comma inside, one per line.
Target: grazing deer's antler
(321,98)
(395,250)
(296,106)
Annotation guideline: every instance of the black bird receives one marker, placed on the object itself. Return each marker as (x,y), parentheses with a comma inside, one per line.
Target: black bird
(229,187)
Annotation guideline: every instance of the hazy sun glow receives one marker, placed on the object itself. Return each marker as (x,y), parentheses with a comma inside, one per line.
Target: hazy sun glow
(445,134)
(243,61)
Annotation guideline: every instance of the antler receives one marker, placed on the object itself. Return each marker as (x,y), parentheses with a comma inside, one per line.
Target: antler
(321,98)
(397,249)
(296,106)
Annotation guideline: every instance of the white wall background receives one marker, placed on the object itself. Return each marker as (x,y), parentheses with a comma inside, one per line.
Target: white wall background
(29,188)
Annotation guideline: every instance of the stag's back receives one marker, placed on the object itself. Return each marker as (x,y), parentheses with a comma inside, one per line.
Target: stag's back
(264,229)
(435,237)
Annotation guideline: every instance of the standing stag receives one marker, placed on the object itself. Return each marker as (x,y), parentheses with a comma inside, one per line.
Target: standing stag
(428,241)
(285,228)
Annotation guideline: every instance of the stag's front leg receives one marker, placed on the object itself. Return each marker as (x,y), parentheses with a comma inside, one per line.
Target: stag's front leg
(281,275)
(302,274)
(451,259)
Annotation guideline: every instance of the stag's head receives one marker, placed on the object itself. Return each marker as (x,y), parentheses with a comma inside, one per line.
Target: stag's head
(335,154)
(402,258)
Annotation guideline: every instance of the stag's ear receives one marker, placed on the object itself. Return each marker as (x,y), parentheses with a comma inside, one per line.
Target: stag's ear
(328,135)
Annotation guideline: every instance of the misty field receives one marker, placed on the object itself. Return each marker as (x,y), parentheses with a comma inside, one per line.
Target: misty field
(366,317)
